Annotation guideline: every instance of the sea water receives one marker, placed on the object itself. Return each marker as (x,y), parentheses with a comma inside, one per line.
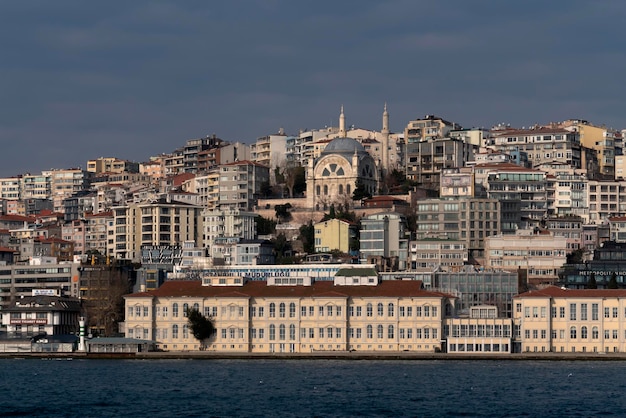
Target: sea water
(310,388)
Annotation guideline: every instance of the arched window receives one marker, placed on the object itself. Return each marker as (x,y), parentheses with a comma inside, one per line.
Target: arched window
(369,309)
(175,310)
(381,309)
(348,189)
(281,332)
(390,310)
(390,332)
(272,310)
(583,332)
(341,189)
(369,331)
(281,310)
(380,332)
(572,332)
(317,190)
(594,333)
(185,309)
(185,331)
(292,310)
(325,190)
(292,332)
(272,332)
(196,307)
(174,331)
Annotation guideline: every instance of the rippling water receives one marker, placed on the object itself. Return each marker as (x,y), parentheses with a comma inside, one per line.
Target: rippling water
(199,388)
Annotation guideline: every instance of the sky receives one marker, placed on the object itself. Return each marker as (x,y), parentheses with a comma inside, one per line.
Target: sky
(133,79)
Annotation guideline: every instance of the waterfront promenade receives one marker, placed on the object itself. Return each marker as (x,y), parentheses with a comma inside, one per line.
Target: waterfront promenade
(325,355)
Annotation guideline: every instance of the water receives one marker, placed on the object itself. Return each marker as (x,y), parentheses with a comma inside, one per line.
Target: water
(310,388)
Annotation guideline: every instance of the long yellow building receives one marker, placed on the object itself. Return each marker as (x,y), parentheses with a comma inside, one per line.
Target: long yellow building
(570,320)
(351,313)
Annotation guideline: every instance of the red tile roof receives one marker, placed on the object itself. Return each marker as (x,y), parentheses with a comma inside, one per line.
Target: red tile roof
(17,218)
(557,292)
(387,288)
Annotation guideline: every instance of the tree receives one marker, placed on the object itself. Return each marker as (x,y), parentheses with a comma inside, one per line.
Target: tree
(265,226)
(307,236)
(613,281)
(360,191)
(294,178)
(591,283)
(202,328)
(282,211)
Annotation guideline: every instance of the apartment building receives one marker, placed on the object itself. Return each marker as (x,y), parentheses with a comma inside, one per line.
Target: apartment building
(385,235)
(111,165)
(537,253)
(606,199)
(542,144)
(227,224)
(598,138)
(158,222)
(335,234)
(430,254)
(65,183)
(240,184)
(10,188)
(467,219)
(41,274)
(522,193)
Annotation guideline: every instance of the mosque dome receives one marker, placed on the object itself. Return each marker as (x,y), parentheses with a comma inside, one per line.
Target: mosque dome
(344,146)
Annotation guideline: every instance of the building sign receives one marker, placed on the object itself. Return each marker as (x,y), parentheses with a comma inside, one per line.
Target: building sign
(29,321)
(161,254)
(44,292)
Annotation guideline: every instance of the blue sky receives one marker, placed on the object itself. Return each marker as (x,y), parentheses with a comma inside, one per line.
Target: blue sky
(131,79)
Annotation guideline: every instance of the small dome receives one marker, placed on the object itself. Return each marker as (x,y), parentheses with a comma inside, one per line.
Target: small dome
(345,146)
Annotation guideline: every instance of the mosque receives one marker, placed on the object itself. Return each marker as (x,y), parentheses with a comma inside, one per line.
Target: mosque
(342,166)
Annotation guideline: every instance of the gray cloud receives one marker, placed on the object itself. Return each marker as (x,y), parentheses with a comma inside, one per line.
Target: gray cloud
(134,79)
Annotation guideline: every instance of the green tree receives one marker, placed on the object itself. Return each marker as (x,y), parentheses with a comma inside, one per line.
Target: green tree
(591,283)
(202,328)
(265,226)
(282,212)
(307,236)
(360,191)
(613,281)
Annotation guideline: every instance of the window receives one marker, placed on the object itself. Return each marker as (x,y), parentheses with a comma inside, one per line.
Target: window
(572,332)
(583,312)
(261,311)
(418,311)
(281,310)
(607,313)
(401,311)
(281,332)
(614,313)
(543,311)
(174,331)
(390,333)
(535,312)
(572,313)
(321,332)
(185,331)
(338,310)
(358,311)
(303,311)
(380,309)
(146,310)
(369,331)
(380,331)
(594,311)
(185,309)
(175,310)
(292,310)
(562,312)
(329,310)
(583,332)
(272,332)
(390,310)
(427,311)
(369,309)
(320,311)
(594,333)
(272,311)
(292,332)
